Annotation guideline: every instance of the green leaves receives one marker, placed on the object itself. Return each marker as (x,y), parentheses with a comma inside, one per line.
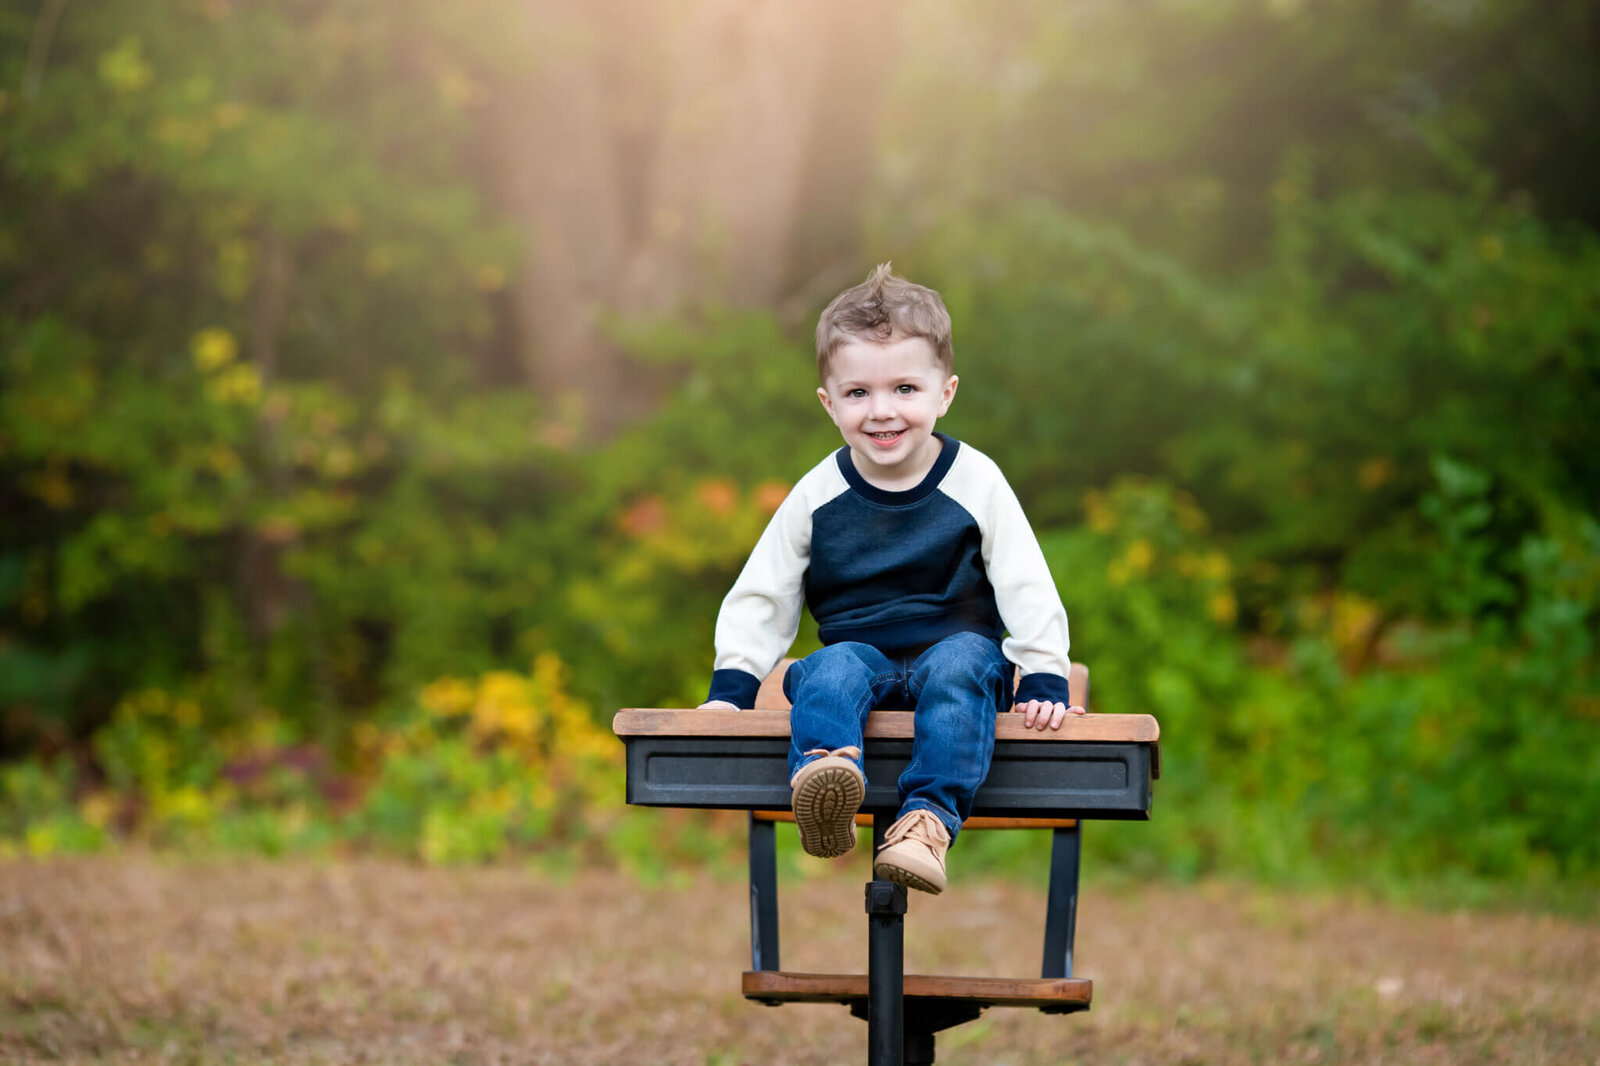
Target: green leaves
(1284,327)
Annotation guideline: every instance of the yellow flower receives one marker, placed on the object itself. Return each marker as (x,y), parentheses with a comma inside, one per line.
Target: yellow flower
(447,697)
(124,67)
(40,840)
(1223,608)
(186,804)
(1140,555)
(239,384)
(214,349)
(1217,567)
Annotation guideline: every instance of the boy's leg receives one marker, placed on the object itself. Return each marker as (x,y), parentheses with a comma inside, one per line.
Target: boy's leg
(956,687)
(831,691)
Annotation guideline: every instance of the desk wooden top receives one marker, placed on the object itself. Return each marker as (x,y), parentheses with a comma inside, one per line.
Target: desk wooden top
(717,722)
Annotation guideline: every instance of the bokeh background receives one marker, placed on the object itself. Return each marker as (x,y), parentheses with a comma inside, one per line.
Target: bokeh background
(389,390)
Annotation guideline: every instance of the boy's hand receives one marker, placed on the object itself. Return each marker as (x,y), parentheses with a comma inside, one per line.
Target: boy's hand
(719,705)
(1042,715)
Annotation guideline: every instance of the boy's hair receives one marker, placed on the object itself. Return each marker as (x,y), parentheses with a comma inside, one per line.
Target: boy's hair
(880,309)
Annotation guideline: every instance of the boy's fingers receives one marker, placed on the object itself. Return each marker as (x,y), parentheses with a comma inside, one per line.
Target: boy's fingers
(1060,712)
(1042,715)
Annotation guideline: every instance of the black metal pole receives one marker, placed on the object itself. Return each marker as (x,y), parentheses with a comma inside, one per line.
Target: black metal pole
(886,941)
(763,895)
(1061,912)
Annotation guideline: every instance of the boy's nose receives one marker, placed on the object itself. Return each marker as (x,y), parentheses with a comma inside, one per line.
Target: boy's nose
(881,407)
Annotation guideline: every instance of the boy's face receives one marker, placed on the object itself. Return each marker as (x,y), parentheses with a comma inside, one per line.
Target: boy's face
(885,399)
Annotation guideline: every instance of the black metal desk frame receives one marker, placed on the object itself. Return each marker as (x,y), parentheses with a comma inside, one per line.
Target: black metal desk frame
(1044,778)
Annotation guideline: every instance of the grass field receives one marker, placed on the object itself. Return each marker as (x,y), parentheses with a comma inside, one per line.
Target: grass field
(137,958)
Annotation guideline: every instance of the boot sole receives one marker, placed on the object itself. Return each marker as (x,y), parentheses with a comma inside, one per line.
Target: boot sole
(825,806)
(888,871)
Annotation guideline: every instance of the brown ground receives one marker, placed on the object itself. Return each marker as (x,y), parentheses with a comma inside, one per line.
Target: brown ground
(133,958)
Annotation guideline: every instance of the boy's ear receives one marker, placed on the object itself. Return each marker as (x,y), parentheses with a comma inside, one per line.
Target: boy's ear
(949,394)
(827,404)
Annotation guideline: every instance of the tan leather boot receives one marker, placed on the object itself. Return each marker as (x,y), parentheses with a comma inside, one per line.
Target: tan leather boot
(913,852)
(827,794)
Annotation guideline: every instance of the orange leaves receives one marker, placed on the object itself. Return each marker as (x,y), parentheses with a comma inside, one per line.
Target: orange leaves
(717,495)
(769,495)
(645,517)
(718,498)
(712,513)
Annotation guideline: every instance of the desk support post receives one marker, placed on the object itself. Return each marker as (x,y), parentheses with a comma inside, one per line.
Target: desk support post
(763,895)
(886,939)
(1061,921)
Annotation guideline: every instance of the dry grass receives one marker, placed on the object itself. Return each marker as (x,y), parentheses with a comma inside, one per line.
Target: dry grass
(134,958)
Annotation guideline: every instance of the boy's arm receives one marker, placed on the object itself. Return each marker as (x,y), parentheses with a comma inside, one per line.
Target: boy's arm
(1030,608)
(761,613)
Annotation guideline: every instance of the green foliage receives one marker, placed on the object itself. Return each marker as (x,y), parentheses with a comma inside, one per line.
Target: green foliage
(1299,757)
(37,816)
(1294,369)
(467,771)
(263,375)
(475,771)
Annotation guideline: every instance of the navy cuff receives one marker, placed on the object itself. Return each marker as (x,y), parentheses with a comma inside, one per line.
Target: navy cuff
(1050,688)
(735,686)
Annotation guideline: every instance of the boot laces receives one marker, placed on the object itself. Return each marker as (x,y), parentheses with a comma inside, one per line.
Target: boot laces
(920,826)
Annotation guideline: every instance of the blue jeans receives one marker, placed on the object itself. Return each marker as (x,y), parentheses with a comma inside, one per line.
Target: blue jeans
(955,687)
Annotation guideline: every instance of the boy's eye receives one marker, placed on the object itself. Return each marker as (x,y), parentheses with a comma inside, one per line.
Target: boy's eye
(856,394)
(906,389)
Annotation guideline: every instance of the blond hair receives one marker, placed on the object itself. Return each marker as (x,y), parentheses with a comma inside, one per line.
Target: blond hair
(880,309)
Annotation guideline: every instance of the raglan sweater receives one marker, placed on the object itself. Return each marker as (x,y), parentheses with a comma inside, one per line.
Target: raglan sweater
(897,570)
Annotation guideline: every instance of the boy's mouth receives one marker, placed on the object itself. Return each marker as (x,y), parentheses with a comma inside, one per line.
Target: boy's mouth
(888,437)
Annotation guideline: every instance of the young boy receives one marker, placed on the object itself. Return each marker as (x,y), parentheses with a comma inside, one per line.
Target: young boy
(916,561)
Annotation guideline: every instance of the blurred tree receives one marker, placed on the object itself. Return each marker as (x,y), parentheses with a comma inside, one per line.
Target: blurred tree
(347,344)
(227,232)
(657,156)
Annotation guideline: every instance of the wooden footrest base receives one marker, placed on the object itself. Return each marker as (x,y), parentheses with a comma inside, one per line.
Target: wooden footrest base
(1057,995)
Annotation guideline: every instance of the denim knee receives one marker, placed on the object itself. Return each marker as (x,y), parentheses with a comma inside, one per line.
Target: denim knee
(968,664)
(830,692)
(842,667)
